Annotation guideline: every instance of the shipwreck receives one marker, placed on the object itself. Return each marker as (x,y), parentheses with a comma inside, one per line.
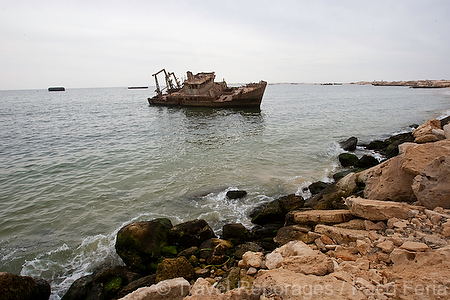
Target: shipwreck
(202,90)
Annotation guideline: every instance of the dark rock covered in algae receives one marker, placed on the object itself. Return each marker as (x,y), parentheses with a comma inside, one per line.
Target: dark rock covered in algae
(140,244)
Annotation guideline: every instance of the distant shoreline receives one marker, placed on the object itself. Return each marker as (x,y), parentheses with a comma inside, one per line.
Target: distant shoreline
(410,83)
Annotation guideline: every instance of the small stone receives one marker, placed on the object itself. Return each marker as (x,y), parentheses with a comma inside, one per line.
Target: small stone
(204,273)
(416,222)
(253,259)
(273,260)
(446,229)
(369,225)
(391,221)
(414,246)
(321,245)
(252,271)
(326,239)
(373,235)
(363,247)
(439,209)
(386,246)
(364,283)
(384,257)
(363,263)
(413,213)
(400,224)
(401,256)
(374,277)
(397,241)
(435,219)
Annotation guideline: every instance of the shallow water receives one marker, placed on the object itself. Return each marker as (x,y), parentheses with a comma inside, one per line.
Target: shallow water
(78,165)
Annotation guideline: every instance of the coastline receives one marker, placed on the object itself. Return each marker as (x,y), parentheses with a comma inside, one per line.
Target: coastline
(339,238)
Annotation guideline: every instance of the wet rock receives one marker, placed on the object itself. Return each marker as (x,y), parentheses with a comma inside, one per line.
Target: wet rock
(189,252)
(348,159)
(331,198)
(136,284)
(275,211)
(248,246)
(293,233)
(175,267)
(230,280)
(349,144)
(15,287)
(105,283)
(318,186)
(235,232)
(139,244)
(191,233)
(263,235)
(377,145)
(236,194)
(366,161)
(394,141)
(215,251)
(176,289)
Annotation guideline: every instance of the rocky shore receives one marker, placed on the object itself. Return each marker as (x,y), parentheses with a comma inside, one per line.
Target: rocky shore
(411,83)
(380,231)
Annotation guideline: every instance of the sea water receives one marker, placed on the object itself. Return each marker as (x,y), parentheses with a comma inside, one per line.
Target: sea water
(76,166)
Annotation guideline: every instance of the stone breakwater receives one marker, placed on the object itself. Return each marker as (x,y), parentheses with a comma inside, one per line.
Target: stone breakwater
(381,231)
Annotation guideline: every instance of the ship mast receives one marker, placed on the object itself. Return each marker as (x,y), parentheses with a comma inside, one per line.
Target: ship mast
(169,84)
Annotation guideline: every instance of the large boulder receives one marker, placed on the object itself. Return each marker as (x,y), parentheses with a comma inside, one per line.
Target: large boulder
(275,211)
(432,187)
(424,133)
(366,161)
(376,210)
(342,235)
(350,144)
(417,157)
(235,232)
(313,217)
(105,283)
(15,287)
(191,233)
(348,159)
(318,186)
(388,181)
(139,244)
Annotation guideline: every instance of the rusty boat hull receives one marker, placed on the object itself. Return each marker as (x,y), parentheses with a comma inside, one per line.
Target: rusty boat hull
(200,90)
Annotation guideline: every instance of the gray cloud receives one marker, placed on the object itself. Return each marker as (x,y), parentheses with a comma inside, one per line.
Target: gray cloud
(117,43)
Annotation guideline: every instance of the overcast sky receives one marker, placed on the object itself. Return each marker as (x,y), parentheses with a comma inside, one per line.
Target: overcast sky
(121,43)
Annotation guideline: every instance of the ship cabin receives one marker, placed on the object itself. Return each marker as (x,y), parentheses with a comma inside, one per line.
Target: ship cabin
(200,83)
